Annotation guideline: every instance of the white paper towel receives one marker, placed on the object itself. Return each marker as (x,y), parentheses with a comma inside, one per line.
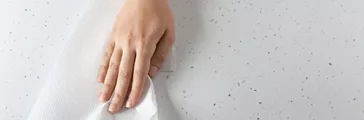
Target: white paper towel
(71,91)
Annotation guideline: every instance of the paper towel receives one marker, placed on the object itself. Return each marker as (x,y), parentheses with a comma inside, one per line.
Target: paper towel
(71,91)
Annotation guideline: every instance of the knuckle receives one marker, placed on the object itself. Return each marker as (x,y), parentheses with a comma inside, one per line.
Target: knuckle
(128,42)
(122,82)
(124,74)
(107,55)
(108,86)
(124,41)
(103,68)
(140,72)
(118,97)
(141,44)
(113,66)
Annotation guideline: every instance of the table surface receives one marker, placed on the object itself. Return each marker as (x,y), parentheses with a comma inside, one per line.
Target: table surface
(236,59)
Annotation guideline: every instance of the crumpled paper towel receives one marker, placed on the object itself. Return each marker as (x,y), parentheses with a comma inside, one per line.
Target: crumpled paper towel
(71,91)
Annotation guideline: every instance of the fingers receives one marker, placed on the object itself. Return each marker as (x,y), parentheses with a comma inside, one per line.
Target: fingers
(162,50)
(111,76)
(123,80)
(105,62)
(140,75)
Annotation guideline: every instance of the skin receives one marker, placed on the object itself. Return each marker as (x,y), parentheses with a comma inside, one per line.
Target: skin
(142,36)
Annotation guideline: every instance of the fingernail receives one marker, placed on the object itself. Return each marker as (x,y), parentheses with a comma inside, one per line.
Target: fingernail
(128,104)
(99,79)
(153,70)
(113,107)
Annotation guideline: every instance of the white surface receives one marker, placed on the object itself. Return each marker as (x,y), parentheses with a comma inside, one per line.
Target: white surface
(238,59)
(71,91)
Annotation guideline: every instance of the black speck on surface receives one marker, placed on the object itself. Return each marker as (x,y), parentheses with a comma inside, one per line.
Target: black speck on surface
(229,95)
(238,84)
(184,91)
(354,99)
(214,104)
(25,76)
(212,20)
(306,78)
(192,67)
(260,103)
(330,64)
(26,94)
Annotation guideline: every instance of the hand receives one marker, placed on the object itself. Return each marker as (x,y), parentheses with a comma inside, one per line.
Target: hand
(142,36)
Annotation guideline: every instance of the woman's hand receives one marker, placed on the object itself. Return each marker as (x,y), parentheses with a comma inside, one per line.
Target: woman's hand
(142,36)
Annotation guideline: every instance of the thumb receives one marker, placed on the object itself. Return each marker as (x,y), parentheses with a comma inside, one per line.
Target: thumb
(162,50)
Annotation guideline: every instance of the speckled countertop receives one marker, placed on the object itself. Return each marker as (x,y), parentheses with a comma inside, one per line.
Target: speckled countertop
(237,59)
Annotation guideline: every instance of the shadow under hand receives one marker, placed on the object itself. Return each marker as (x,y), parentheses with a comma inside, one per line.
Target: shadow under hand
(188,24)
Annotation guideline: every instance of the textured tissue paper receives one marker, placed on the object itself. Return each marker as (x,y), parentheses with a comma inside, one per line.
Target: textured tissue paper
(71,90)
